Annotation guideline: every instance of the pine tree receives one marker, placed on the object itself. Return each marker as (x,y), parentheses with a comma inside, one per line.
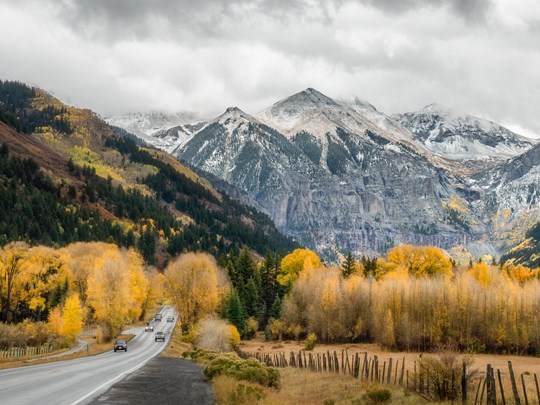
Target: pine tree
(235,311)
(349,266)
(251,300)
(275,311)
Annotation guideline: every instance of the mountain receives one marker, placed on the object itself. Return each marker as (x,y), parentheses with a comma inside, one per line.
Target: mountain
(164,131)
(511,197)
(71,177)
(333,178)
(526,251)
(341,175)
(462,137)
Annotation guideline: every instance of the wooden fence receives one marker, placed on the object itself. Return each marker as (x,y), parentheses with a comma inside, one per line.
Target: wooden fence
(491,387)
(25,351)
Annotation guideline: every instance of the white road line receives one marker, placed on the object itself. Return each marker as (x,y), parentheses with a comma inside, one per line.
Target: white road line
(112,380)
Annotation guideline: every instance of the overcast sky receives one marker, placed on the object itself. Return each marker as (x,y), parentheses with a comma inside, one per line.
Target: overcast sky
(113,56)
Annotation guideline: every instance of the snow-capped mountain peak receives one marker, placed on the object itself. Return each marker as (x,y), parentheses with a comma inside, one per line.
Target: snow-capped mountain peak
(459,136)
(310,111)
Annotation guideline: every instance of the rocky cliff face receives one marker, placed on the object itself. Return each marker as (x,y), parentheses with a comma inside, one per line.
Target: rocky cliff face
(511,198)
(344,176)
(333,178)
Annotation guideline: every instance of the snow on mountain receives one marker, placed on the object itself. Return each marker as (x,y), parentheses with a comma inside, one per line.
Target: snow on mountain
(458,136)
(343,175)
(164,131)
(330,177)
(312,112)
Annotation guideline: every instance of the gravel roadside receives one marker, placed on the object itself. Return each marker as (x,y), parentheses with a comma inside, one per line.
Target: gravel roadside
(163,380)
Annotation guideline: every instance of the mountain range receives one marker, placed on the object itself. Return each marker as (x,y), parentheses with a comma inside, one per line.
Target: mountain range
(342,176)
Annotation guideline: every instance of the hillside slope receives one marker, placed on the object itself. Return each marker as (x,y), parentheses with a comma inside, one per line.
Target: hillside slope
(143,197)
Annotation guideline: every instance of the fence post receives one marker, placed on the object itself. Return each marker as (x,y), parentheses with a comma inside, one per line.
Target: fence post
(524,390)
(514,386)
(478,391)
(491,391)
(537,387)
(402,372)
(501,387)
(464,383)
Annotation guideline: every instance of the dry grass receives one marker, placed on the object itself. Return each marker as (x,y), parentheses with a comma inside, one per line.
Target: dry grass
(301,387)
(528,366)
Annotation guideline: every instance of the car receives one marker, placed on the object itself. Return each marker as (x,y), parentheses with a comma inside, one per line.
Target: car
(158,317)
(160,336)
(120,344)
(170,319)
(149,328)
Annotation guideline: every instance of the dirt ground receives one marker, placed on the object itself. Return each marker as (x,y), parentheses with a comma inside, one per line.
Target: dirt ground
(522,365)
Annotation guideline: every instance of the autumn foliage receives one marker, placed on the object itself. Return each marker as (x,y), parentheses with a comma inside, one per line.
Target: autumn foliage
(196,286)
(83,282)
(417,302)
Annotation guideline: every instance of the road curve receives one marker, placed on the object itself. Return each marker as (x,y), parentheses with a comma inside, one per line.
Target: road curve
(79,381)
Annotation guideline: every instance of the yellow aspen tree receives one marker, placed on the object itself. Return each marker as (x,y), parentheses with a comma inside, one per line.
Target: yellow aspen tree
(138,284)
(55,321)
(480,271)
(72,317)
(12,258)
(196,285)
(294,263)
(108,291)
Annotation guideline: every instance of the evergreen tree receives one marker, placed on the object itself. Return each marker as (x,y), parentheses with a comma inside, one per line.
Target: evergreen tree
(349,266)
(251,300)
(275,311)
(235,312)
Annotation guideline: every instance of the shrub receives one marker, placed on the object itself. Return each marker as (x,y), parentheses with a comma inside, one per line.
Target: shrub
(248,370)
(235,335)
(252,326)
(441,370)
(213,334)
(244,394)
(311,340)
(378,395)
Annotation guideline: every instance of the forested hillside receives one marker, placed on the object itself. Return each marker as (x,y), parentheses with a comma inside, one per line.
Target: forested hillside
(527,252)
(67,176)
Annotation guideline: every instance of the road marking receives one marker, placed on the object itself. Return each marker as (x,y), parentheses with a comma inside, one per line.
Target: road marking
(113,379)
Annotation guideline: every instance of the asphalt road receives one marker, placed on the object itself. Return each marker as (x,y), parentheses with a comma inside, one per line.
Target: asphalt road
(163,381)
(80,381)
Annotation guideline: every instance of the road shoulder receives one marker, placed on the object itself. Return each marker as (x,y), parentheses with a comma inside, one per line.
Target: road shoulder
(163,380)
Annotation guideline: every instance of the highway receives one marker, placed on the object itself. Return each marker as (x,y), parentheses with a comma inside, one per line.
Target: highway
(79,381)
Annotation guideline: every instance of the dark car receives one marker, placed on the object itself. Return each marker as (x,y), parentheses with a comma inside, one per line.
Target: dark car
(120,344)
(149,328)
(170,319)
(160,336)
(158,317)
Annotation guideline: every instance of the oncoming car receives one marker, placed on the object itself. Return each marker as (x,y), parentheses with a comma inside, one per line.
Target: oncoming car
(120,344)
(149,328)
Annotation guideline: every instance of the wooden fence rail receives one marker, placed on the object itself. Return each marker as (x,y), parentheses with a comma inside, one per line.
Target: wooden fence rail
(25,351)
(488,386)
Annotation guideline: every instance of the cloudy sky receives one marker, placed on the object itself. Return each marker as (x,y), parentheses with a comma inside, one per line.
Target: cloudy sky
(117,56)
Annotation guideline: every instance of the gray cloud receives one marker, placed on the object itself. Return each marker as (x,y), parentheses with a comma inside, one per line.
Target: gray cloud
(470,10)
(113,20)
(117,56)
